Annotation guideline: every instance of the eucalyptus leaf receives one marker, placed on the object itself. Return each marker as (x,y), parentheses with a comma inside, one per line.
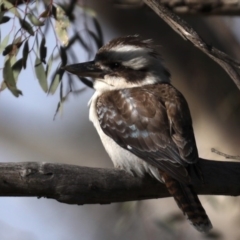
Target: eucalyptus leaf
(54,11)
(54,84)
(17,40)
(9,79)
(37,41)
(61,33)
(16,68)
(26,26)
(61,91)
(41,75)
(8,49)
(12,59)
(43,50)
(4,19)
(8,73)
(34,20)
(49,64)
(12,49)
(25,54)
(61,24)
(11,8)
(63,56)
(3,86)
(44,14)
(16,92)
(4,43)
(1,14)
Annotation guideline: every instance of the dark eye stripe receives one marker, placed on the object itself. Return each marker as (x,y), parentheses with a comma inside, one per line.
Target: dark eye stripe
(114,65)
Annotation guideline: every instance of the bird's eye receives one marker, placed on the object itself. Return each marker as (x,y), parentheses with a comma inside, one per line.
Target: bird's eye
(114,65)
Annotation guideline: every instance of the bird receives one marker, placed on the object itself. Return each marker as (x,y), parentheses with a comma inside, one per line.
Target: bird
(143,121)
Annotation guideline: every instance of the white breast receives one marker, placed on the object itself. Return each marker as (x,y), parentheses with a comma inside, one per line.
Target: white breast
(120,157)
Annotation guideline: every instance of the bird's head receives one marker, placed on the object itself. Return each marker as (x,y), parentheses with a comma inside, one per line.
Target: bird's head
(124,62)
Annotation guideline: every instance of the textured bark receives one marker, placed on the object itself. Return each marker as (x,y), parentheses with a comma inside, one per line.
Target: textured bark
(203,7)
(226,7)
(206,7)
(82,185)
(188,33)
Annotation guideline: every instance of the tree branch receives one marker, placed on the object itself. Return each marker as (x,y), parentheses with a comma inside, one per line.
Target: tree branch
(223,7)
(206,7)
(213,7)
(82,185)
(188,33)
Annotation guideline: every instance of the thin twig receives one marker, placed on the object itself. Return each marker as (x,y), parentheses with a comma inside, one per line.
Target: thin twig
(227,156)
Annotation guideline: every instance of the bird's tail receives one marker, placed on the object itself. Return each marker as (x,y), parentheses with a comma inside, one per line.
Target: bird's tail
(187,200)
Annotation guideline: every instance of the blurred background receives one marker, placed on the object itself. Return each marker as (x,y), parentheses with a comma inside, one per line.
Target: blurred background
(28,133)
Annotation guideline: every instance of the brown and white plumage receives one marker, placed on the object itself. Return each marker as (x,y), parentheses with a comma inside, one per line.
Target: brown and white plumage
(143,121)
(138,120)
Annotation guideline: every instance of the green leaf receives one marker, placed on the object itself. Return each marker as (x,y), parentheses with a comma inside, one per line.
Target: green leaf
(17,40)
(43,50)
(49,64)
(7,73)
(9,6)
(4,43)
(63,56)
(44,14)
(16,92)
(25,54)
(3,86)
(54,84)
(61,33)
(17,44)
(1,13)
(26,26)
(12,59)
(12,49)
(9,79)
(16,68)
(37,41)
(34,20)
(4,19)
(61,24)
(41,75)
(54,11)
(8,49)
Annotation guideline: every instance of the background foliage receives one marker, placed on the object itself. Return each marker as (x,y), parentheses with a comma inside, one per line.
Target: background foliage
(34,44)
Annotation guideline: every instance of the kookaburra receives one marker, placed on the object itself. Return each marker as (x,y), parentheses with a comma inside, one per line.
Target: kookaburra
(143,121)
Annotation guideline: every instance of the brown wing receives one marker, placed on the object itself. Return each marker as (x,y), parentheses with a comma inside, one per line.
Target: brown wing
(152,122)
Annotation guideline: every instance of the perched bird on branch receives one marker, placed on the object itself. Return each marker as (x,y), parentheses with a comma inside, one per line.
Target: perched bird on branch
(143,121)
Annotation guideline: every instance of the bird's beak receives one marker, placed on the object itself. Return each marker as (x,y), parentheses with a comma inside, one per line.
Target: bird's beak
(86,69)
